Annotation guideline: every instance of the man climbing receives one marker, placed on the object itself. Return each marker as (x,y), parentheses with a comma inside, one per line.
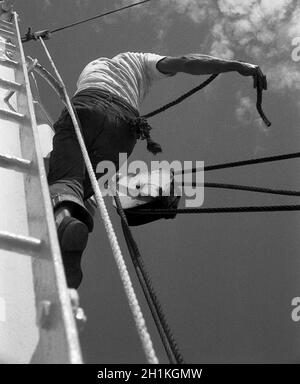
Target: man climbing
(107,102)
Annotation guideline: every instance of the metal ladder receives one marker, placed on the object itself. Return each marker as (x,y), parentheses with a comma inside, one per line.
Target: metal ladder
(58,339)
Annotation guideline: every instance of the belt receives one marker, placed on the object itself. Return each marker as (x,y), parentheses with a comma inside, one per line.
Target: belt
(106,95)
(139,125)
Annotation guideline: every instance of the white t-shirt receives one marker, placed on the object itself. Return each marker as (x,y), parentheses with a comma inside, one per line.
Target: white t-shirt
(128,75)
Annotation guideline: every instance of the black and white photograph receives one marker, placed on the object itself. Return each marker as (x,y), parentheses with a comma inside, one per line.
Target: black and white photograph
(149,186)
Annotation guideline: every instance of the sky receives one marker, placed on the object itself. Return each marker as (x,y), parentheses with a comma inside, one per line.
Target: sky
(225,281)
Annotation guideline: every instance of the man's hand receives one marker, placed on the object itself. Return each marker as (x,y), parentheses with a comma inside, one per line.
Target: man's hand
(247,69)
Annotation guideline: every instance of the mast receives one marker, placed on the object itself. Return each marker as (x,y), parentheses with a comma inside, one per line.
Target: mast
(36,316)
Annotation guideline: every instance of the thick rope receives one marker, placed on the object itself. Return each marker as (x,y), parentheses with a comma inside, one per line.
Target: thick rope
(247,188)
(132,299)
(242,163)
(172,212)
(181,98)
(164,330)
(149,300)
(259,108)
(203,85)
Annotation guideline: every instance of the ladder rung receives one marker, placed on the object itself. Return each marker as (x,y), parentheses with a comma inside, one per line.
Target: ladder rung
(20,244)
(6,24)
(10,85)
(9,63)
(15,163)
(11,47)
(7,34)
(14,117)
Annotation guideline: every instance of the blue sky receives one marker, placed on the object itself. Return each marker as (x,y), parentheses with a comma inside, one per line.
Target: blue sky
(225,281)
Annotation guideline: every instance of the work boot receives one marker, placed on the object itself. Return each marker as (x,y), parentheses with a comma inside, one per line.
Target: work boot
(73,222)
(73,237)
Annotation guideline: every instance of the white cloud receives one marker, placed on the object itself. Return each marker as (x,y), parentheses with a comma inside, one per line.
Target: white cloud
(285,75)
(260,29)
(263,30)
(197,10)
(46,4)
(245,110)
(80,4)
(247,116)
(232,8)
(221,45)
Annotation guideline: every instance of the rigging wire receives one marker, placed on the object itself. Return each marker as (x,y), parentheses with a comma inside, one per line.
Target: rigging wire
(98,16)
(46,33)
(242,163)
(171,212)
(272,191)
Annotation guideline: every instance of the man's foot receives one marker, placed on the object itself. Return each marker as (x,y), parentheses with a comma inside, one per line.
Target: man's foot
(72,236)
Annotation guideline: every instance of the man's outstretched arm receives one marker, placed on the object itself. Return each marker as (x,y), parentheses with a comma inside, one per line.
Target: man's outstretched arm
(198,64)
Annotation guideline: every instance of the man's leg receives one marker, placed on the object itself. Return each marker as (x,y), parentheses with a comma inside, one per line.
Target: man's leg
(66,176)
(72,228)
(106,135)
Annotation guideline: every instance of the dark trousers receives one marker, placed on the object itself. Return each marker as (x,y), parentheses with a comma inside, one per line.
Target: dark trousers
(105,124)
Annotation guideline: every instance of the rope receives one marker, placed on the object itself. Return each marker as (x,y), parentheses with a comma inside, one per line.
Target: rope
(259,108)
(181,98)
(201,86)
(132,299)
(171,212)
(98,16)
(241,163)
(164,330)
(48,77)
(237,187)
(46,33)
